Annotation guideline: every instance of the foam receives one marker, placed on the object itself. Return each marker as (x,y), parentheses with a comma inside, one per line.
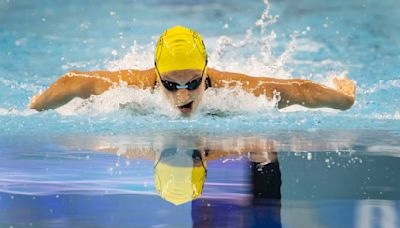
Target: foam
(140,102)
(139,57)
(299,108)
(147,102)
(235,101)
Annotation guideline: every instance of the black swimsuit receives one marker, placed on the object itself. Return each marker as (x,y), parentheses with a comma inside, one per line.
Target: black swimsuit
(208,83)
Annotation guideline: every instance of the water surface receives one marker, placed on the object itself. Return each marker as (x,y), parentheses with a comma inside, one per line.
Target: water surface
(72,166)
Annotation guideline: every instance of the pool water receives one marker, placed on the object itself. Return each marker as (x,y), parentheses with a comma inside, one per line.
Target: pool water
(349,179)
(93,163)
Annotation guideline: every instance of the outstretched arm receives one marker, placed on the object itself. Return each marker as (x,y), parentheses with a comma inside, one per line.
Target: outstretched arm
(84,84)
(290,91)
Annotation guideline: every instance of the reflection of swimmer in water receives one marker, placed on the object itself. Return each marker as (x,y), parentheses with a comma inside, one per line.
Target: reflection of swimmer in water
(180,172)
(181,70)
(180,169)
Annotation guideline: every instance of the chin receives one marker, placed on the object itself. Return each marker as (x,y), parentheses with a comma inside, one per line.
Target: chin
(188,109)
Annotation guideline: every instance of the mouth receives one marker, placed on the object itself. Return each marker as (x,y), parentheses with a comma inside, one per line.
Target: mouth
(187,108)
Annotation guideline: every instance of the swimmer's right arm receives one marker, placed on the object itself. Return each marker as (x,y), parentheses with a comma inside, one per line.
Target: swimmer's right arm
(84,84)
(290,91)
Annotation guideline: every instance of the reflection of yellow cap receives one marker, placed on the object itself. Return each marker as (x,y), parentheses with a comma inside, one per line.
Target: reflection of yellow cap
(180,48)
(179,184)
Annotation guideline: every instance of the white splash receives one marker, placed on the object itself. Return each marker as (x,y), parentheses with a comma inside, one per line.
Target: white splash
(139,57)
(140,102)
(299,108)
(229,54)
(224,102)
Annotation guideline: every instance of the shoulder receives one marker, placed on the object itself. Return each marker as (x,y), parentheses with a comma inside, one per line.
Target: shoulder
(138,78)
(224,78)
(141,78)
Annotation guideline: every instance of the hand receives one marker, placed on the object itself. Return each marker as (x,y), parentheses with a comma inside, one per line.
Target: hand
(32,104)
(345,86)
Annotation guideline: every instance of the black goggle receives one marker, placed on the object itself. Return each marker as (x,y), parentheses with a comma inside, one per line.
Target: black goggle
(172,86)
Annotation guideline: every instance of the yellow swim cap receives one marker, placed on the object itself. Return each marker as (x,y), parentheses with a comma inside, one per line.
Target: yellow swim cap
(179,185)
(177,179)
(180,48)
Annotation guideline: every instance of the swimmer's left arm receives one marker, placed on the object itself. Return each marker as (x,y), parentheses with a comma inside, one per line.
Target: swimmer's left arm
(85,84)
(291,91)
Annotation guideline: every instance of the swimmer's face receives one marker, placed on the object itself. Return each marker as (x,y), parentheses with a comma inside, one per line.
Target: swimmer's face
(185,100)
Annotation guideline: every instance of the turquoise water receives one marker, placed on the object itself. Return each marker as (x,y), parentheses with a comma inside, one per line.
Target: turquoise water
(308,40)
(337,168)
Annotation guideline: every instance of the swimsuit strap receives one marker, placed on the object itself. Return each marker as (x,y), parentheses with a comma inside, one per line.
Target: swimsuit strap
(208,83)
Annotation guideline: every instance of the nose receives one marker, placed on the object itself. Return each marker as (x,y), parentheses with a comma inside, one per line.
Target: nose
(182,96)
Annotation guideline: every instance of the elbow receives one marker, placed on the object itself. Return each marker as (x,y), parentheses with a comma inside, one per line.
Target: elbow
(33,105)
(347,103)
(37,103)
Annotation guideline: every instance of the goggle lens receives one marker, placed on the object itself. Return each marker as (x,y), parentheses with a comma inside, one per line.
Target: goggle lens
(172,86)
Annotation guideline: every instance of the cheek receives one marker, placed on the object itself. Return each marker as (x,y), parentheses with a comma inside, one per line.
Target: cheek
(198,93)
(194,95)
(173,98)
(197,97)
(169,95)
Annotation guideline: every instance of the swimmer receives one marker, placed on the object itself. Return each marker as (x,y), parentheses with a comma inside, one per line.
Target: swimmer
(180,70)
